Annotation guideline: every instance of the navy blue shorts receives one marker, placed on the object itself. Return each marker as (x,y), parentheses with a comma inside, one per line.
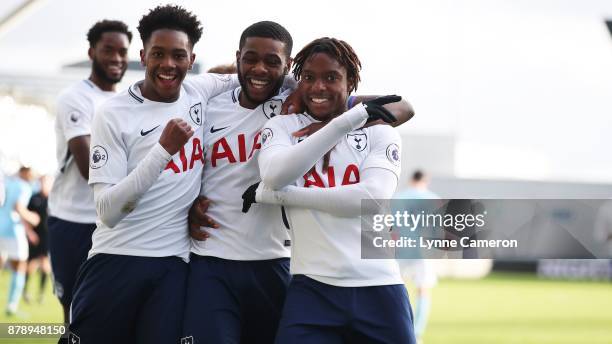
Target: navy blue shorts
(69,244)
(231,301)
(320,313)
(128,299)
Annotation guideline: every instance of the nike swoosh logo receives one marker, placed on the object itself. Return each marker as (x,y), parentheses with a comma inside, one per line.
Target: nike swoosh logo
(144,133)
(213,130)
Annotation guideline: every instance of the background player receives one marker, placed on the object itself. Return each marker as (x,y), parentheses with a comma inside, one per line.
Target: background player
(72,214)
(327,300)
(146,166)
(38,257)
(419,271)
(13,237)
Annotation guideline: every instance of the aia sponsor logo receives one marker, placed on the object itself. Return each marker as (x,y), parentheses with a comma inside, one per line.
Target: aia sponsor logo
(222,150)
(350,176)
(186,161)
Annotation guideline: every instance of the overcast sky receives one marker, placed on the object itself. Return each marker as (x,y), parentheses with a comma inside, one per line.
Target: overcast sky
(525,86)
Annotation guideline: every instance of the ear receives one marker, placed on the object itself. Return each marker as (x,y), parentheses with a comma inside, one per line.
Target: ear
(288,65)
(142,58)
(350,84)
(237,56)
(193,56)
(90,53)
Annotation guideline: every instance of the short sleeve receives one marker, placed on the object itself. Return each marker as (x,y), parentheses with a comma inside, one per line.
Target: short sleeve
(74,117)
(108,154)
(275,133)
(25,193)
(386,149)
(211,84)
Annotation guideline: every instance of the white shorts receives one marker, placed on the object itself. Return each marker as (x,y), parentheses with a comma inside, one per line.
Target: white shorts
(419,272)
(14,248)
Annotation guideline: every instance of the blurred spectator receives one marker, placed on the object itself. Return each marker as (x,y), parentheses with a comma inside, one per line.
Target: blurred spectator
(13,233)
(39,252)
(419,271)
(603,225)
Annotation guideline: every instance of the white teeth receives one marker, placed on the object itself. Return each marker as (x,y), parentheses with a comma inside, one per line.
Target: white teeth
(166,77)
(318,100)
(259,83)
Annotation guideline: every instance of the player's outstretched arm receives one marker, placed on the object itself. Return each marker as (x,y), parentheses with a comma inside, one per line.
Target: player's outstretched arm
(401,110)
(343,201)
(314,147)
(114,202)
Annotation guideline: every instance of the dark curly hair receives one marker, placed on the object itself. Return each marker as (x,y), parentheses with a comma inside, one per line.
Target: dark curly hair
(95,33)
(338,50)
(268,29)
(171,17)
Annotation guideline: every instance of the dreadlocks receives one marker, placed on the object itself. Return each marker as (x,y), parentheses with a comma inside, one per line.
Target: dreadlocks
(336,49)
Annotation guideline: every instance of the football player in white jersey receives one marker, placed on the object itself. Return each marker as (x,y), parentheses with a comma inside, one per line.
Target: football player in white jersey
(145,168)
(71,204)
(334,296)
(239,275)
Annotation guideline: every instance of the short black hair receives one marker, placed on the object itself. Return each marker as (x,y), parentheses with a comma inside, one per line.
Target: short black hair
(170,17)
(95,32)
(268,29)
(418,175)
(336,49)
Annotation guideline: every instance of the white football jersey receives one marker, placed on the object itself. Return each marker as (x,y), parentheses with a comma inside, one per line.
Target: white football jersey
(125,129)
(232,143)
(325,247)
(71,199)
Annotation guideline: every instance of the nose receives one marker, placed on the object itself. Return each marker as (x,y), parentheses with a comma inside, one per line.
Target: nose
(259,67)
(168,62)
(115,57)
(318,85)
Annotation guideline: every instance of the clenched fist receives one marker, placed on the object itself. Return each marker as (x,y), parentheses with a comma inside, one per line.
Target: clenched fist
(175,135)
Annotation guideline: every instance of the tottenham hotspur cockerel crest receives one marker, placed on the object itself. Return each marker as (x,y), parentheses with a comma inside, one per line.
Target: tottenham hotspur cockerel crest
(358,141)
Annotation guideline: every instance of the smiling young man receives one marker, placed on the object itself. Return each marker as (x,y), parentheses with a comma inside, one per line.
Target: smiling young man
(239,275)
(71,204)
(145,168)
(335,296)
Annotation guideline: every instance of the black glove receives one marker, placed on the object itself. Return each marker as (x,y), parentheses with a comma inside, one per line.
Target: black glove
(248,197)
(376,110)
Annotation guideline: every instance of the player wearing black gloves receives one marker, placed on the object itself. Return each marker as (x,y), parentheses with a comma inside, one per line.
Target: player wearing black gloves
(334,296)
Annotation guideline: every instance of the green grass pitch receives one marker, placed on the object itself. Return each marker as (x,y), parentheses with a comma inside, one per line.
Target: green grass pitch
(502,308)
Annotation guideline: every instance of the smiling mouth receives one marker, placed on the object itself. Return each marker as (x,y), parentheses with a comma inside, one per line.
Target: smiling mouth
(318,100)
(115,69)
(258,83)
(167,79)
